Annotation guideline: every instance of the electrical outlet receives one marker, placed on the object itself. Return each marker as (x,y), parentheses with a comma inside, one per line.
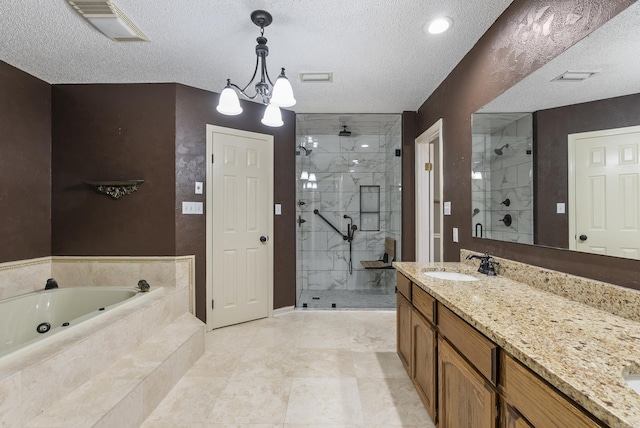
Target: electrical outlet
(278,209)
(455,234)
(560,208)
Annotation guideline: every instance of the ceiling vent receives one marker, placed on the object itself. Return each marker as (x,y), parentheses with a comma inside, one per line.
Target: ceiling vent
(574,76)
(109,20)
(317,77)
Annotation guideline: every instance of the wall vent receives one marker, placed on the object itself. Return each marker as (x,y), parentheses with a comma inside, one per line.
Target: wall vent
(574,76)
(109,20)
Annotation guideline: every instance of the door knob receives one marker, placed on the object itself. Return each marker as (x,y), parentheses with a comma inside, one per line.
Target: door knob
(583,238)
(263,239)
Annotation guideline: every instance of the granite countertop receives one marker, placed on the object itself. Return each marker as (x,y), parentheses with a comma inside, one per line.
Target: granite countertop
(580,350)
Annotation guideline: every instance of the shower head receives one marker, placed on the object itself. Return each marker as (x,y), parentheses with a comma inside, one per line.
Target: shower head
(307,152)
(344,132)
(499,151)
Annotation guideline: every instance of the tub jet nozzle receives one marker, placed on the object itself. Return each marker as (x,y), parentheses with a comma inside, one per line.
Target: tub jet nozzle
(51,284)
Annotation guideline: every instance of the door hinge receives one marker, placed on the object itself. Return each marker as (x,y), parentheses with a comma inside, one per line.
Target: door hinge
(211,158)
(212,303)
(428,166)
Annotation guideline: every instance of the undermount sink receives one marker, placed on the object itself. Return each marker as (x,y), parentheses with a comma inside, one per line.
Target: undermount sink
(633,380)
(451,276)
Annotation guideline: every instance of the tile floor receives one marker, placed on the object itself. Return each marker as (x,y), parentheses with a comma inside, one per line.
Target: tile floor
(302,369)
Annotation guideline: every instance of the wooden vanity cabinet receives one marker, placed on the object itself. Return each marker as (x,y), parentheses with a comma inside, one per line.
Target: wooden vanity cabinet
(465,398)
(537,401)
(513,419)
(404,309)
(424,352)
(465,380)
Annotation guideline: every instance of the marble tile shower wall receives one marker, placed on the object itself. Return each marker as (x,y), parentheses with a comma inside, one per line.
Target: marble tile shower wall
(496,178)
(340,165)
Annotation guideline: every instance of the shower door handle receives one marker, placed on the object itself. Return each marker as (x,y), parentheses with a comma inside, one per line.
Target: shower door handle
(264,239)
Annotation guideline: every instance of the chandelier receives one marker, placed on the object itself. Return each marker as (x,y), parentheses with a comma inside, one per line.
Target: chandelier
(273,95)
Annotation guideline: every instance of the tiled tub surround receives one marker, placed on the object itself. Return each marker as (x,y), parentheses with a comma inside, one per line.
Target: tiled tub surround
(84,360)
(581,350)
(496,178)
(26,276)
(341,165)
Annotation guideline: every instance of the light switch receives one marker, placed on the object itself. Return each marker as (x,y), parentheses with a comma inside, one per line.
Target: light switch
(278,209)
(455,234)
(560,208)
(447,208)
(192,208)
(198,187)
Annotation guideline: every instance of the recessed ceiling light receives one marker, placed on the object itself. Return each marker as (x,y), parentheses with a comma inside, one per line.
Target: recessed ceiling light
(438,25)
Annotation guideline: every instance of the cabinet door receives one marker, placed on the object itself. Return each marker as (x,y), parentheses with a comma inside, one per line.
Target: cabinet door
(513,419)
(465,398)
(424,361)
(403,330)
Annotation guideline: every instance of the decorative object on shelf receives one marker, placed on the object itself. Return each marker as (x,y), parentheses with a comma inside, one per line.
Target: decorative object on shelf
(115,189)
(274,97)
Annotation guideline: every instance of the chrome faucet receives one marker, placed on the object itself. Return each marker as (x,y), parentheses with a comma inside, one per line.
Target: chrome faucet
(487,264)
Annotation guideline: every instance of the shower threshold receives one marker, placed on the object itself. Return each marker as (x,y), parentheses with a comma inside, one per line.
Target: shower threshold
(346,299)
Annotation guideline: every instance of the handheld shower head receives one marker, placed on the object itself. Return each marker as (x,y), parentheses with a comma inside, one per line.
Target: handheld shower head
(307,152)
(499,151)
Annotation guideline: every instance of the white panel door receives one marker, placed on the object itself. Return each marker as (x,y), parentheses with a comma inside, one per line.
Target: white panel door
(428,191)
(240,219)
(606,192)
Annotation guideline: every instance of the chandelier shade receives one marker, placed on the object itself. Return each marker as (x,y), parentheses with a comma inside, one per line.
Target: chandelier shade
(272,116)
(229,103)
(273,95)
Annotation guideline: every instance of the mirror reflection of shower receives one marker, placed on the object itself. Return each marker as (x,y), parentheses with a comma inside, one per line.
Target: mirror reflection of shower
(499,150)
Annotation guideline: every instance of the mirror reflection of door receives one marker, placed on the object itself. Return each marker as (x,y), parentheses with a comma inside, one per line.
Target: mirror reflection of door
(604,216)
(429,194)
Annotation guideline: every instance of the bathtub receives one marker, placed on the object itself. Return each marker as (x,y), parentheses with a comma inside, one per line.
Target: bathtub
(29,318)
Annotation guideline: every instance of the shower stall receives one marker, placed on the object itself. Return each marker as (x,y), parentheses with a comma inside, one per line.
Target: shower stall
(502,176)
(348,190)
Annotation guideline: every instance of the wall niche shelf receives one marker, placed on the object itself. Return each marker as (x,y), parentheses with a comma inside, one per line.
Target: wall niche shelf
(115,189)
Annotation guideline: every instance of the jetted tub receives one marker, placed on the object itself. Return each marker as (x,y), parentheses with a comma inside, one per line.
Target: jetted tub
(31,317)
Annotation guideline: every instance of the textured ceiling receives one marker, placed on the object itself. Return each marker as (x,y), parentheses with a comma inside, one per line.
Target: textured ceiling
(381,59)
(612,51)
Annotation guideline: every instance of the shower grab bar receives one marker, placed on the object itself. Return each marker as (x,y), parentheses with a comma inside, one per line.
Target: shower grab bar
(330,224)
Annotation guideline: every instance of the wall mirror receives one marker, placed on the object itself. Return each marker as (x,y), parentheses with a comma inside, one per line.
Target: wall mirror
(521,174)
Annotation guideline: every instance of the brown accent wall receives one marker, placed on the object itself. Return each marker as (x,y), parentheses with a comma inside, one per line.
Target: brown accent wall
(113,132)
(510,50)
(195,108)
(154,132)
(408,227)
(25,165)
(551,182)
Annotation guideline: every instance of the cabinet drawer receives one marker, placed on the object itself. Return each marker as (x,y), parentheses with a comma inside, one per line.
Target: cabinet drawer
(480,351)
(540,403)
(424,303)
(404,285)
